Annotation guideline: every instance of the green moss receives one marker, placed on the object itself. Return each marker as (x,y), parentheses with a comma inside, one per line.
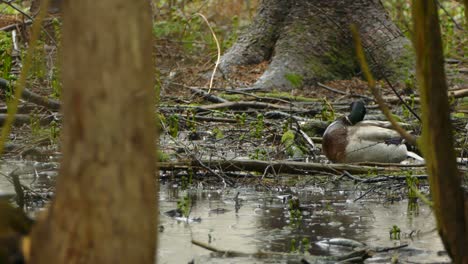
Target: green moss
(296,80)
(286,95)
(231,97)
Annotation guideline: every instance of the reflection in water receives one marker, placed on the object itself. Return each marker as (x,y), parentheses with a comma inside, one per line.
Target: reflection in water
(263,223)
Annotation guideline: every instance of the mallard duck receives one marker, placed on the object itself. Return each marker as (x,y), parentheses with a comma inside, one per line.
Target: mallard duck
(349,139)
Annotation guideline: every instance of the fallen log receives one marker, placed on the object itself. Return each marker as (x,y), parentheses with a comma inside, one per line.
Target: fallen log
(34,97)
(242,105)
(282,166)
(24,119)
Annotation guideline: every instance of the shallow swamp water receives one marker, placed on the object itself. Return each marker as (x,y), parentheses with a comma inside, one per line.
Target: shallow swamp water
(261,221)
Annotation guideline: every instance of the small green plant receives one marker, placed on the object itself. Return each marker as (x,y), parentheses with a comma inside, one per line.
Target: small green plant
(184,205)
(293,248)
(327,113)
(295,214)
(395,233)
(54,131)
(305,244)
(162,156)
(187,180)
(38,62)
(412,184)
(35,124)
(191,123)
(6,46)
(173,125)
(406,112)
(258,126)
(56,83)
(241,118)
(218,133)
(57,29)
(258,154)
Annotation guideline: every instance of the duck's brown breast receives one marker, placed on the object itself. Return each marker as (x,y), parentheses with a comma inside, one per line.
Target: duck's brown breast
(334,141)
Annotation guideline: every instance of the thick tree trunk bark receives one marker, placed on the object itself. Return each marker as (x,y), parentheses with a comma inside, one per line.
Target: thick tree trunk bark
(310,40)
(450,206)
(54,6)
(105,207)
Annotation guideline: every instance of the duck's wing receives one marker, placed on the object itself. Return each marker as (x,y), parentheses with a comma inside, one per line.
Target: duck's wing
(371,133)
(384,124)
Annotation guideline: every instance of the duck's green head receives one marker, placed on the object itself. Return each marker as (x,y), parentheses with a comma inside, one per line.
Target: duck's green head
(358,111)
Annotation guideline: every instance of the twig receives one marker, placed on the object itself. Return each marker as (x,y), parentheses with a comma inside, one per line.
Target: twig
(341,92)
(10,4)
(385,249)
(347,174)
(372,85)
(450,16)
(14,26)
(217,46)
(206,95)
(229,182)
(364,194)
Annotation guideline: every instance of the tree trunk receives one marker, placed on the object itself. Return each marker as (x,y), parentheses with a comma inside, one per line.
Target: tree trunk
(105,207)
(54,6)
(437,140)
(310,40)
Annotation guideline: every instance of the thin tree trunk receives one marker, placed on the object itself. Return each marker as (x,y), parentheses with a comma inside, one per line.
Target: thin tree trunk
(437,139)
(105,206)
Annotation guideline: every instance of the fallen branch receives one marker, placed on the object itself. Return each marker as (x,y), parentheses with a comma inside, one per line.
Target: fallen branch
(215,119)
(22,109)
(284,166)
(241,105)
(207,96)
(453,93)
(22,119)
(382,178)
(360,254)
(40,100)
(34,97)
(343,93)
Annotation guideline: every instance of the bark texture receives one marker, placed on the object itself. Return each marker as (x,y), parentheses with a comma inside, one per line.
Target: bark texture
(55,6)
(437,140)
(105,206)
(310,40)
